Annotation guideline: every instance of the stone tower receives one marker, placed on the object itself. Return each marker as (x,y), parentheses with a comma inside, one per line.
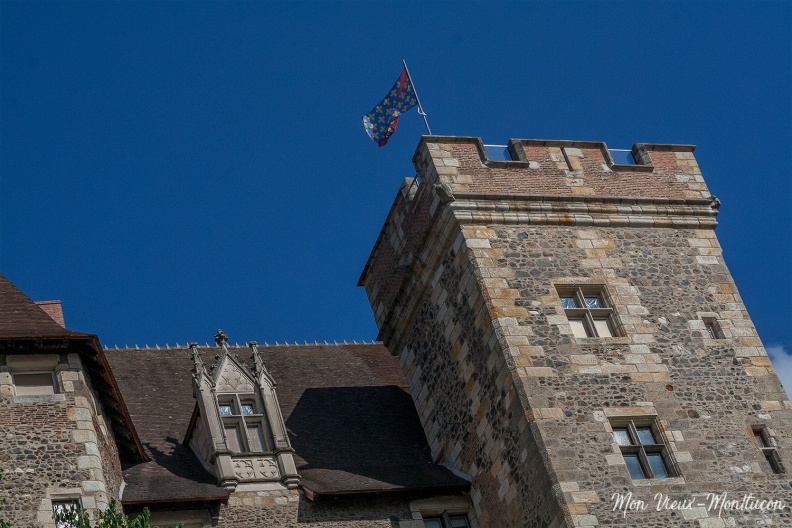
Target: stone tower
(574,342)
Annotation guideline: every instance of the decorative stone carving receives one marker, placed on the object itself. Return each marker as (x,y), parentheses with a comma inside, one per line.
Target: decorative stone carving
(231,379)
(256,469)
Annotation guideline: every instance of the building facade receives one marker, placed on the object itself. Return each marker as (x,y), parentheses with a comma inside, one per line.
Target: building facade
(561,345)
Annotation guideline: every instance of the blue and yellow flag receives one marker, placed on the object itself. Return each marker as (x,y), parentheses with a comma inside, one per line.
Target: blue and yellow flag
(381,122)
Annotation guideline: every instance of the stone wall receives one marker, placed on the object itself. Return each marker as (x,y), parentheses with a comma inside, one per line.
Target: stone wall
(464,282)
(52,447)
(291,509)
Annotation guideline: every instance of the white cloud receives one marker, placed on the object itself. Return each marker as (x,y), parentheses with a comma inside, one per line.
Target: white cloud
(782,362)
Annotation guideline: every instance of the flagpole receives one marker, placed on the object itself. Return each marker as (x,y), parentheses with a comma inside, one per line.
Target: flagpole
(420,108)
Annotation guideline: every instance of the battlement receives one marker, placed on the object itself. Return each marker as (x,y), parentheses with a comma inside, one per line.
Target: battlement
(552,167)
(547,182)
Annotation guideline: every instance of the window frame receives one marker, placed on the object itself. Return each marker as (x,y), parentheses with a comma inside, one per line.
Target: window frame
(643,452)
(763,440)
(243,423)
(587,316)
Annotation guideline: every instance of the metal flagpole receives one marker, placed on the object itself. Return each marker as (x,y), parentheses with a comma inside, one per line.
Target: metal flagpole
(420,108)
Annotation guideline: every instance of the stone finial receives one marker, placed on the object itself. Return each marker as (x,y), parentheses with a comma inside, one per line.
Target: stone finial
(221,339)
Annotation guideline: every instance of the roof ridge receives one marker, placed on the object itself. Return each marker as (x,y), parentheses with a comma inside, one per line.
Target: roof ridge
(245,345)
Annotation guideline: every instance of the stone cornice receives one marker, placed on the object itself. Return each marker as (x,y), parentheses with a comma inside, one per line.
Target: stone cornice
(585,211)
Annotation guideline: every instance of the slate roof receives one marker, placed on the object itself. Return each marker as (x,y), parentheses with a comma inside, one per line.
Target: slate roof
(348,414)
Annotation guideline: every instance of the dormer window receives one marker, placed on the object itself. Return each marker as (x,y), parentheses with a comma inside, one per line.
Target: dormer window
(237,429)
(243,423)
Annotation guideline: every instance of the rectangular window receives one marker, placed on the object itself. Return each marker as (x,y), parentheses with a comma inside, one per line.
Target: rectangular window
(761,438)
(712,328)
(645,455)
(587,310)
(34,383)
(244,425)
(61,507)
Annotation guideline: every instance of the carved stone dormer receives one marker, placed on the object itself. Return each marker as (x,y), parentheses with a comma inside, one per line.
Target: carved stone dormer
(237,429)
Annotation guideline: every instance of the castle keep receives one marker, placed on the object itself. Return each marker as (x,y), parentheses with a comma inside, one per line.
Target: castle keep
(561,345)
(569,331)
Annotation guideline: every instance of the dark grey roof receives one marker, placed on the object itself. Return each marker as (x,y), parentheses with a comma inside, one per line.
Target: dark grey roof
(348,413)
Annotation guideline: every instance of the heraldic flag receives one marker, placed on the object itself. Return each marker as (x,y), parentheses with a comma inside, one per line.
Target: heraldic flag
(381,122)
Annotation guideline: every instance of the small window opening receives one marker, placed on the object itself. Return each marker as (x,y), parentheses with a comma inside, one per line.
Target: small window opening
(646,456)
(588,311)
(64,507)
(762,440)
(713,329)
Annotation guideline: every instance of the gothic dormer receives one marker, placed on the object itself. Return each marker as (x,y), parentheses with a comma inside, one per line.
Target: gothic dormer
(237,429)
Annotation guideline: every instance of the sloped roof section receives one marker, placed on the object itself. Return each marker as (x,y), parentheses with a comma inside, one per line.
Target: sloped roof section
(347,410)
(21,318)
(157,388)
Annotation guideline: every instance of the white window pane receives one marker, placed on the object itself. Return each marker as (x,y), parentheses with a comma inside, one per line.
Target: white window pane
(622,437)
(226,410)
(603,328)
(34,384)
(233,440)
(578,328)
(432,523)
(568,302)
(593,302)
(711,331)
(63,507)
(247,408)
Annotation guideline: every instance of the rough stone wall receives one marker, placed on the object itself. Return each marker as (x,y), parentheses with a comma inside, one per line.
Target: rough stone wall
(508,395)
(50,448)
(289,509)
(706,393)
(463,388)
(37,448)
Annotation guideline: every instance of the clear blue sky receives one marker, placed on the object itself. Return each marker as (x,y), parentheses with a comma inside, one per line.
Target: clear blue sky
(171,168)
